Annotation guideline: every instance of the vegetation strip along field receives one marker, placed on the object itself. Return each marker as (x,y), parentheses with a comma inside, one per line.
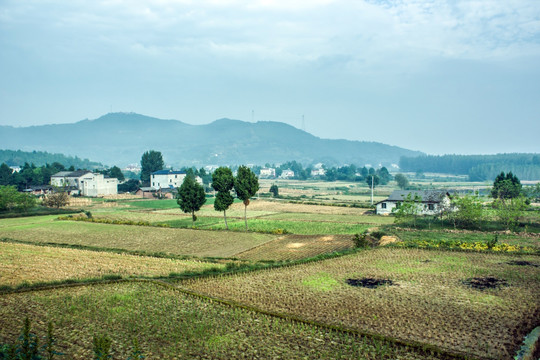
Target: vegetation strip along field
(429,303)
(179,325)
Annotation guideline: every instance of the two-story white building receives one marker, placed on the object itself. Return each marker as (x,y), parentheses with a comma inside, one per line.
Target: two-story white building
(88,183)
(169,179)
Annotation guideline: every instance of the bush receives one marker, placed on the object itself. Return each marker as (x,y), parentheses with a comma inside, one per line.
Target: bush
(361,240)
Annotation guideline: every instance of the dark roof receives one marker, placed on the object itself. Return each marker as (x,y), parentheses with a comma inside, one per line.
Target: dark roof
(168,172)
(77,173)
(426,195)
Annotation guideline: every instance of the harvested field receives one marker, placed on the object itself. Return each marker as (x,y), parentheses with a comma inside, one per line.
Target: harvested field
(346,219)
(142,238)
(32,264)
(294,247)
(275,206)
(171,325)
(427,303)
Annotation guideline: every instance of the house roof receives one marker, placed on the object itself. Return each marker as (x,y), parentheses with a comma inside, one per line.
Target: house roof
(168,172)
(432,196)
(73,174)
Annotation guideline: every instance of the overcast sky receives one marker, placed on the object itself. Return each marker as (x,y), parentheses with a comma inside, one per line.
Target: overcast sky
(440,76)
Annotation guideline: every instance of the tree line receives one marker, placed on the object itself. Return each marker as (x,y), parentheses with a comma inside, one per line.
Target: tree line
(40,158)
(477,167)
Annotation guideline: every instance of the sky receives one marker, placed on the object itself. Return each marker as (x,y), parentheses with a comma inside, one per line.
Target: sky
(439,76)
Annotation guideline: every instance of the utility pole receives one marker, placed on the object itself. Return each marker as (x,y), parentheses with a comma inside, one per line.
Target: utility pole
(372,181)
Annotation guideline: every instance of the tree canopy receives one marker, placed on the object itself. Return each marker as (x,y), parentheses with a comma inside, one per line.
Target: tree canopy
(191,196)
(506,186)
(150,161)
(223,183)
(246,185)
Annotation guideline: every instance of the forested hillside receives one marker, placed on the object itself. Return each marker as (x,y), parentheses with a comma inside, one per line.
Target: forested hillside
(40,158)
(478,167)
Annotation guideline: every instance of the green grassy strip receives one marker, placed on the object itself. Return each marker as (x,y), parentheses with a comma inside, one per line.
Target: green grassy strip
(119,251)
(450,245)
(39,211)
(413,344)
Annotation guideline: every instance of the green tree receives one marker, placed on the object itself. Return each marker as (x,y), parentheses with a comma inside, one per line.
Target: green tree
(510,211)
(246,185)
(401,180)
(274,190)
(409,209)
(5,174)
(384,175)
(190,197)
(150,161)
(223,183)
(115,172)
(468,211)
(372,179)
(11,199)
(506,186)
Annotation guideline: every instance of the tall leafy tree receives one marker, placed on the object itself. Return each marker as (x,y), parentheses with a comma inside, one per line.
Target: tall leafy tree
(401,181)
(223,183)
(5,174)
(246,185)
(506,186)
(150,161)
(115,172)
(384,175)
(190,197)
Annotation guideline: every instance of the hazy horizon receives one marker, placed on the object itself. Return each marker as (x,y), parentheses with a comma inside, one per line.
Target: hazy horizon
(445,77)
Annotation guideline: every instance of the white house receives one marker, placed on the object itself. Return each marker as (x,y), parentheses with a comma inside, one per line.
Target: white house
(318,172)
(169,179)
(88,183)
(432,201)
(287,174)
(268,172)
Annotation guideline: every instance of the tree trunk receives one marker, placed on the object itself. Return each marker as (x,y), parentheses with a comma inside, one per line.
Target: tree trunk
(245,216)
(225,216)
(193,219)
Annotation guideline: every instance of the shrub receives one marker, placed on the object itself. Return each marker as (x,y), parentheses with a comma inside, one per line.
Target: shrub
(361,240)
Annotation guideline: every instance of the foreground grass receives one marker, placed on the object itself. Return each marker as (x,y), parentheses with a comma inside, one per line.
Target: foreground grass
(171,325)
(28,264)
(142,238)
(429,304)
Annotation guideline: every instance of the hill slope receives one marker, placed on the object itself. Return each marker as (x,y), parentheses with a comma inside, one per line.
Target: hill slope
(121,138)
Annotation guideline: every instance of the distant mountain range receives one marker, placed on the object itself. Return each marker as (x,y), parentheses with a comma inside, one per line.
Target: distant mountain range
(122,138)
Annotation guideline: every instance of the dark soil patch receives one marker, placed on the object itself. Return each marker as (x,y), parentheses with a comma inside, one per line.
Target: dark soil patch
(369,282)
(485,283)
(425,261)
(522,263)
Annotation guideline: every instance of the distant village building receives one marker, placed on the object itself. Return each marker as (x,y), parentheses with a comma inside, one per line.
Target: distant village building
(133,168)
(86,182)
(287,174)
(15,169)
(152,193)
(433,201)
(318,172)
(169,179)
(267,173)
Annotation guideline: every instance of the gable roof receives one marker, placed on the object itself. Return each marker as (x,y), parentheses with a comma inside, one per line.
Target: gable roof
(168,172)
(74,174)
(433,196)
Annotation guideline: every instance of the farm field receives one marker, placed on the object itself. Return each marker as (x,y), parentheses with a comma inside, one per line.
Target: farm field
(30,264)
(171,325)
(141,238)
(428,302)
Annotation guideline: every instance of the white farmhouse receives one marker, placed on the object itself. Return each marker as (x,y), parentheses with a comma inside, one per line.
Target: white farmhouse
(267,173)
(433,201)
(86,182)
(318,172)
(287,174)
(169,179)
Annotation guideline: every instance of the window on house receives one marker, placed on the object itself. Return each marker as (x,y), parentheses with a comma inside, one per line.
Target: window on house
(383,205)
(431,206)
(153,184)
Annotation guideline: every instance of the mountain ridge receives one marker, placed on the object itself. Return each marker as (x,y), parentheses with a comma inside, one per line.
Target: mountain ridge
(121,138)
